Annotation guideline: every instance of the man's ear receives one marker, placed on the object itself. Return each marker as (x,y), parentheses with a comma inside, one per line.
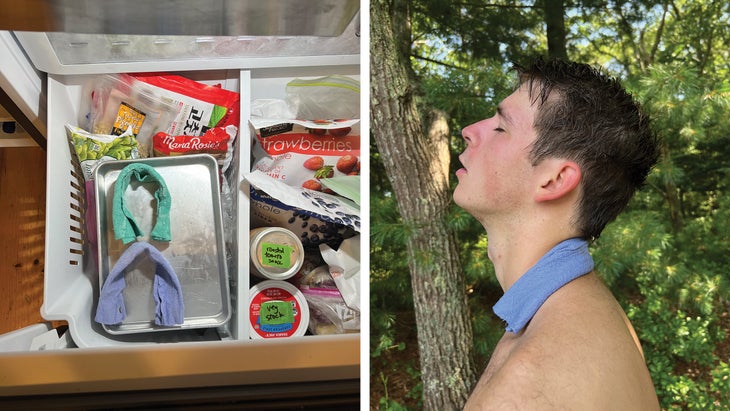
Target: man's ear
(561,177)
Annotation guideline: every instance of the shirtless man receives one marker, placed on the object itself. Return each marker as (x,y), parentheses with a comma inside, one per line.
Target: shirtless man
(559,160)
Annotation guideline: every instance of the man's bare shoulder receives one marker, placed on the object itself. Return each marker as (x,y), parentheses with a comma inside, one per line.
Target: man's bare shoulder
(578,352)
(515,384)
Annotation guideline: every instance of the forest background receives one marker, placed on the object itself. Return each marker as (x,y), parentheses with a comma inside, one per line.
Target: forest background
(439,65)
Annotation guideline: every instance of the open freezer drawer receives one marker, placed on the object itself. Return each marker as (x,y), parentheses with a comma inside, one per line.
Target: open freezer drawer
(111,363)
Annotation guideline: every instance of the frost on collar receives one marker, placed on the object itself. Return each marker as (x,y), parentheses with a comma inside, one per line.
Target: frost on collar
(565,262)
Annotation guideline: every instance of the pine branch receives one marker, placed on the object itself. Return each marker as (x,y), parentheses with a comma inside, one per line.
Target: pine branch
(441,63)
(500,6)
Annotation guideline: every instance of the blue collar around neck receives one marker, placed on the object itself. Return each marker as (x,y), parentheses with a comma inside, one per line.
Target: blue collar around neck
(565,262)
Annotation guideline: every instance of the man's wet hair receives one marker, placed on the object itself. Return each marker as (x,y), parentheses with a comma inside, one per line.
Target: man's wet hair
(586,116)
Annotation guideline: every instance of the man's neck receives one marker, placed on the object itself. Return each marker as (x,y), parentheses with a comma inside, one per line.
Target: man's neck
(514,251)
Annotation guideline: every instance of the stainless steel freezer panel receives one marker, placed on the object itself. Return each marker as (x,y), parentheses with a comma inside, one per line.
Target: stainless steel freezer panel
(82,37)
(181,17)
(74,53)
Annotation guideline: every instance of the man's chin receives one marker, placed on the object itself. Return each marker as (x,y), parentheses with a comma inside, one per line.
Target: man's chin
(457,196)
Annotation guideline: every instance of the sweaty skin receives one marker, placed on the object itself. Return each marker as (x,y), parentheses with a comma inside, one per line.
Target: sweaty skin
(579,352)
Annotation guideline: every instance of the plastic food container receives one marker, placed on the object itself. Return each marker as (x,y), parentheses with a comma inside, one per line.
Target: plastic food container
(276,253)
(277,309)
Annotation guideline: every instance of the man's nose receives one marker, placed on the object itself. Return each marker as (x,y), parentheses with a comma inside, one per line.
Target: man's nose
(468,133)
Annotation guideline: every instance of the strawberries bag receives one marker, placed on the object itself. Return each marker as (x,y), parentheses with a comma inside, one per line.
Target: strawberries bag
(300,153)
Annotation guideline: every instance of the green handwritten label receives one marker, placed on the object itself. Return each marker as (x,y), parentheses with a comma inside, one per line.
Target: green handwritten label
(276,312)
(276,255)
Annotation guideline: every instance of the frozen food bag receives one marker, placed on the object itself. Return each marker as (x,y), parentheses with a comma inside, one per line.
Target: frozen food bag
(114,103)
(91,150)
(328,313)
(301,153)
(344,266)
(217,141)
(316,218)
(200,106)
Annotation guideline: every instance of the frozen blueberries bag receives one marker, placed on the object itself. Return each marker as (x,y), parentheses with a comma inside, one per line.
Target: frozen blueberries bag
(317,218)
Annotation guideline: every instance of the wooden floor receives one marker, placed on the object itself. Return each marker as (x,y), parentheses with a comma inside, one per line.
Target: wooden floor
(22,235)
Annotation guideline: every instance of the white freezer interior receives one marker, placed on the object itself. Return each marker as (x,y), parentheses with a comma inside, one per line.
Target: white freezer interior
(107,362)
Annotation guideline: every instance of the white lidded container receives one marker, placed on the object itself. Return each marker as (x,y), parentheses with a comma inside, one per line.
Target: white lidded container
(277,309)
(276,253)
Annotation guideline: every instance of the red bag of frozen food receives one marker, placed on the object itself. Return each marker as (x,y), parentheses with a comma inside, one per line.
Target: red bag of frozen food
(217,141)
(300,153)
(200,106)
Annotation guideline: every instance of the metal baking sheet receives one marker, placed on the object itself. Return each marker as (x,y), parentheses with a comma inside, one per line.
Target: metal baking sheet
(196,251)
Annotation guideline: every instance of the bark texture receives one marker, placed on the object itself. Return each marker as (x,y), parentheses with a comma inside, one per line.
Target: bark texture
(416,159)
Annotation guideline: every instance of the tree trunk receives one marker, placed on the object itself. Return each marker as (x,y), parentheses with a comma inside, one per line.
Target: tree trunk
(417,165)
(555,28)
(671,193)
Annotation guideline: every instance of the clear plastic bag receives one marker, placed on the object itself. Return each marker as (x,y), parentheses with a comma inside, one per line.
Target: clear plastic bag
(328,313)
(200,106)
(331,97)
(116,102)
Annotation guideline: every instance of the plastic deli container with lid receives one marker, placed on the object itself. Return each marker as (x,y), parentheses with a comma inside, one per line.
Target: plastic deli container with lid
(277,309)
(276,253)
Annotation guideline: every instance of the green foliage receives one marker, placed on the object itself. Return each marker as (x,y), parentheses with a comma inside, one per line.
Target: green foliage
(674,304)
(487,328)
(390,405)
(690,113)
(478,29)
(672,279)
(390,296)
(386,403)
